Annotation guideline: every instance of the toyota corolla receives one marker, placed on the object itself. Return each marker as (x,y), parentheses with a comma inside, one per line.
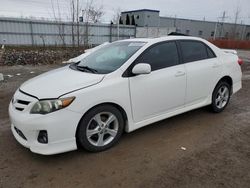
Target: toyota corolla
(119,88)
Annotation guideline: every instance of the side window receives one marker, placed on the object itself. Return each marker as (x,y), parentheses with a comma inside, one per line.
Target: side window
(160,56)
(193,51)
(210,53)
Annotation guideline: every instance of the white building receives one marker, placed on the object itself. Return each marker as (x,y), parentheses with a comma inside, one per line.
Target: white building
(206,29)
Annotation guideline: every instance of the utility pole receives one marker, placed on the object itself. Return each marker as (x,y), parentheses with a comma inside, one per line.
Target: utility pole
(158,31)
(223,17)
(243,30)
(215,29)
(174,20)
(77,19)
(118,25)
(235,21)
(110,32)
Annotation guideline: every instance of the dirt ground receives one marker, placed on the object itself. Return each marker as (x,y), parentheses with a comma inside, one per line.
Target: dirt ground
(217,149)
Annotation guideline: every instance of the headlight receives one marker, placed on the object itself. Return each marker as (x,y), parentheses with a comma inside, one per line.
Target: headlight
(48,106)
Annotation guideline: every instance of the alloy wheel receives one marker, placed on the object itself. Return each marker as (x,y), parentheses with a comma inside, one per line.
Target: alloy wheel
(102,129)
(222,97)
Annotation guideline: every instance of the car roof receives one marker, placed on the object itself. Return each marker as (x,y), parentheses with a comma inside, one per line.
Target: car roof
(165,38)
(151,41)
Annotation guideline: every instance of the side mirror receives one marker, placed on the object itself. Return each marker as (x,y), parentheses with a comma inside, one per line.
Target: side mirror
(141,68)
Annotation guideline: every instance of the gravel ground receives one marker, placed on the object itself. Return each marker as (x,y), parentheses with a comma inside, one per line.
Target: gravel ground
(37,55)
(217,149)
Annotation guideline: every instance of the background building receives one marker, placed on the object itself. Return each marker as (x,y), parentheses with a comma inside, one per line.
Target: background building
(151,19)
(137,23)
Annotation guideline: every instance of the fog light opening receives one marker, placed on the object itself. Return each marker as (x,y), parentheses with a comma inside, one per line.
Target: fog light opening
(43,137)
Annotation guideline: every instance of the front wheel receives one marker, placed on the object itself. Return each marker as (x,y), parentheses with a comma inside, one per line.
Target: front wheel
(100,128)
(221,97)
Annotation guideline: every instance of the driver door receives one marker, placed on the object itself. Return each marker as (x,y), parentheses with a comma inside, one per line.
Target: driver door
(161,91)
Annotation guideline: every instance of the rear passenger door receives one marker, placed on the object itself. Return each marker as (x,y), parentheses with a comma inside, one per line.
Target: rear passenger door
(203,70)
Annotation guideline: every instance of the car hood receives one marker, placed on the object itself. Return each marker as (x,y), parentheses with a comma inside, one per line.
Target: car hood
(58,82)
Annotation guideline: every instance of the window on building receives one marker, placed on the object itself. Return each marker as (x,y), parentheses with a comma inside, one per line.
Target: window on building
(212,33)
(137,16)
(133,20)
(187,32)
(248,36)
(237,35)
(127,20)
(200,33)
(226,35)
(160,56)
(193,51)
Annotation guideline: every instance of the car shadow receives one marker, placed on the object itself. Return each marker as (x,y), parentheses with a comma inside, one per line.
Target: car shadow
(159,128)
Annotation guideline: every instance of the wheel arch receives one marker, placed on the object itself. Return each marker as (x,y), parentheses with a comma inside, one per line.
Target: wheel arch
(227,79)
(121,109)
(214,107)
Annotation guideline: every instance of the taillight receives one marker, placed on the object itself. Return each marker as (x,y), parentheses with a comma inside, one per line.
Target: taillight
(240,61)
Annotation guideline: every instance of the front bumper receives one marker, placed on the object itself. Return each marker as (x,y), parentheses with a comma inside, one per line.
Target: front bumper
(60,125)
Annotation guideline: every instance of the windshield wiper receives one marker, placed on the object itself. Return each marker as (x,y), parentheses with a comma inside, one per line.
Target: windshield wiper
(84,68)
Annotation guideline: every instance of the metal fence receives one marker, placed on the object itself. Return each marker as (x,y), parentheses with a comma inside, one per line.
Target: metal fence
(15,31)
(152,32)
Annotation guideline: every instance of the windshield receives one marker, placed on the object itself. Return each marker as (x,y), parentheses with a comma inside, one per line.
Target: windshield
(110,57)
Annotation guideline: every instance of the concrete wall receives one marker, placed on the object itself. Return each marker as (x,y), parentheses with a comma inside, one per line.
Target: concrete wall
(33,32)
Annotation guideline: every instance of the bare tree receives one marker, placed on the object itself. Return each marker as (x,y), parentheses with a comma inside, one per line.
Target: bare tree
(91,14)
(77,21)
(58,18)
(117,20)
(117,15)
(72,18)
(95,14)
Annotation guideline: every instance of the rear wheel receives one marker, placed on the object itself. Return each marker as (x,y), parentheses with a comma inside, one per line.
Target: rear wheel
(100,128)
(221,96)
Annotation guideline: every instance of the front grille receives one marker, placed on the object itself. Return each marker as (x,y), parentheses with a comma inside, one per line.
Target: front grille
(23,102)
(19,109)
(20,102)
(20,105)
(20,133)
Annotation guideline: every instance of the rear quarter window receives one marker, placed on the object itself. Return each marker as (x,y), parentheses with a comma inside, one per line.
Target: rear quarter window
(195,51)
(210,53)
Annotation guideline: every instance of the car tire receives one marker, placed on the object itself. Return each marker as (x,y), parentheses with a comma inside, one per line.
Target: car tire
(100,128)
(221,96)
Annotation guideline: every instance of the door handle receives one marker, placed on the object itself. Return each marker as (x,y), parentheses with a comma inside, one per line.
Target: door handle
(180,73)
(216,65)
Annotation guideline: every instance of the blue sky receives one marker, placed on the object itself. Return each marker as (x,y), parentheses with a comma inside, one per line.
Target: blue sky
(192,9)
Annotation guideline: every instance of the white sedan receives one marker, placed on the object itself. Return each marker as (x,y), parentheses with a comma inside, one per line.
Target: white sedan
(119,88)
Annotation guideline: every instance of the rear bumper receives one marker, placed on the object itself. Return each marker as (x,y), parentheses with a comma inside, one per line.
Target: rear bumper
(237,86)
